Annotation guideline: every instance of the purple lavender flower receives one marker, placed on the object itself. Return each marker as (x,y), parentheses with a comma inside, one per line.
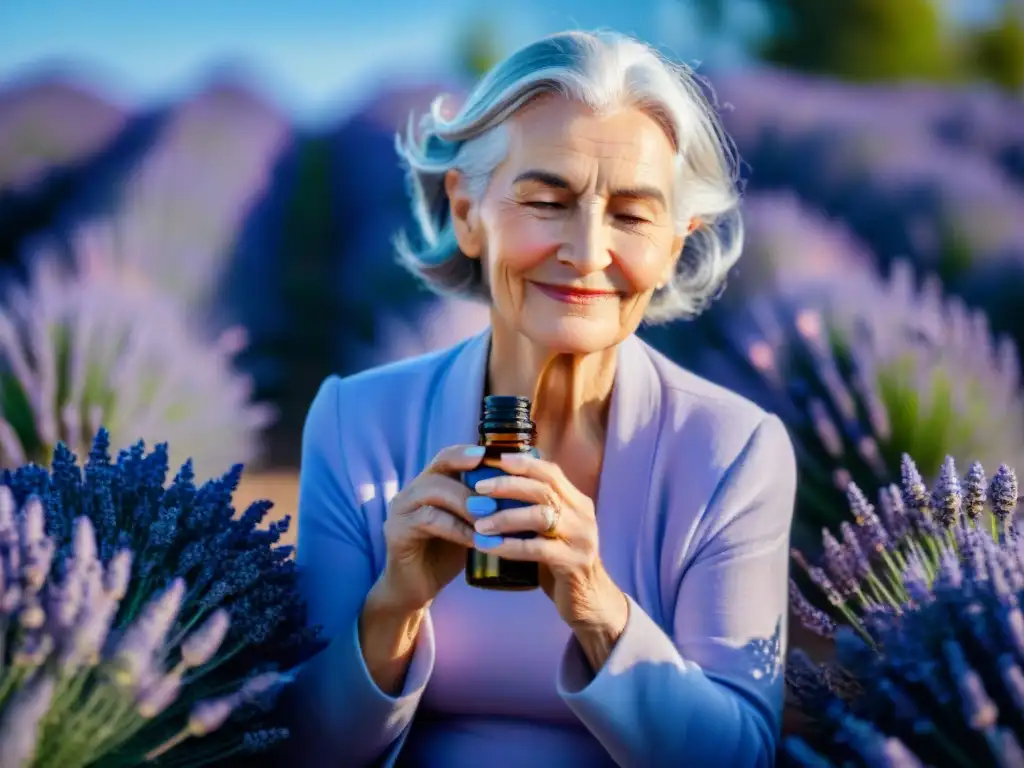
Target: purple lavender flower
(1003,493)
(159,696)
(133,365)
(68,532)
(915,492)
(874,536)
(201,645)
(947,499)
(933,657)
(137,650)
(976,496)
(838,564)
(862,370)
(815,620)
(894,518)
(19,725)
(861,564)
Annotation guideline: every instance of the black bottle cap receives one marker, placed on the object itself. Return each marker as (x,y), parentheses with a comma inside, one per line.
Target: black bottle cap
(506,413)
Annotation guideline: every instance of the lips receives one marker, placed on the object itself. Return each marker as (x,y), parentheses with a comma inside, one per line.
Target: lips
(569,295)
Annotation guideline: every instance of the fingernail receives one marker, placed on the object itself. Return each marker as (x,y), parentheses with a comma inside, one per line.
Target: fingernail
(515,458)
(485,526)
(481,505)
(475,451)
(485,485)
(486,542)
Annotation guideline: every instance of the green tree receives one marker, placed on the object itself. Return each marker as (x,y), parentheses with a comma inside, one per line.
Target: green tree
(862,39)
(871,40)
(478,48)
(997,52)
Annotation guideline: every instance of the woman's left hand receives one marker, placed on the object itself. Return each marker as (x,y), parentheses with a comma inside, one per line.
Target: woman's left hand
(566,546)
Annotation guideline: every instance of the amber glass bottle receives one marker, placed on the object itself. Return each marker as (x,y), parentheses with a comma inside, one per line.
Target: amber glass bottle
(505,427)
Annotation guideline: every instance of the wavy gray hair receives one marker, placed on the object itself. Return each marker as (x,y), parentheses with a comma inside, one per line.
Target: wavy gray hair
(604,70)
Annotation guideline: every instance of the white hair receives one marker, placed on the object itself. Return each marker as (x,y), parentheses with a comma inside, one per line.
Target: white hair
(603,70)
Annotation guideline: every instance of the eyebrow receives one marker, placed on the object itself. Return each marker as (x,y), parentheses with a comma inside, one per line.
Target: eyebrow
(549,179)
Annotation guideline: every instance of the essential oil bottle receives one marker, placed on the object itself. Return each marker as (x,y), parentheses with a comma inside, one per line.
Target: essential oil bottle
(505,427)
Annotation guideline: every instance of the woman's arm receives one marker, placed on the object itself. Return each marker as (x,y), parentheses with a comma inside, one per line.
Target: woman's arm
(712,693)
(344,717)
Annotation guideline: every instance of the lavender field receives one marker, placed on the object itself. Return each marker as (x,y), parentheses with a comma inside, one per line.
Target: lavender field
(190,270)
(875,307)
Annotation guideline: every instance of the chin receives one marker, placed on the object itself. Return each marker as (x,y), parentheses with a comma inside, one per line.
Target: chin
(573,335)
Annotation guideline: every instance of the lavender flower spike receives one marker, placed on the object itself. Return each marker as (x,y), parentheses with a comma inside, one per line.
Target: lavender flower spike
(875,537)
(136,651)
(207,716)
(810,617)
(36,548)
(947,498)
(201,645)
(159,696)
(119,571)
(975,497)
(838,565)
(1003,493)
(915,493)
(22,715)
(893,513)
(857,555)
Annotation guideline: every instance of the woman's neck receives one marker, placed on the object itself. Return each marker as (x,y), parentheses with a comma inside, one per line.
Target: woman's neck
(571,393)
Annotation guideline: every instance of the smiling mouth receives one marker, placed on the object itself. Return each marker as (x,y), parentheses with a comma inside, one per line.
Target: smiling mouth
(569,295)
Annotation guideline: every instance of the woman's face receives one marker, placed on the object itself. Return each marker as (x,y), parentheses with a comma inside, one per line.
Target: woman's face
(574,230)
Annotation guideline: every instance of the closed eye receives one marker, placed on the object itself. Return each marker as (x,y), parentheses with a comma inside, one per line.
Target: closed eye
(632,219)
(544,205)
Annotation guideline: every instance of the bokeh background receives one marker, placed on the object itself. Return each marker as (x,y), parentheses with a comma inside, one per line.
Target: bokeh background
(197,202)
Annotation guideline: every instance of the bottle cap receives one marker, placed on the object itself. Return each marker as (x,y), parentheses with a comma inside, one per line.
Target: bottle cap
(506,413)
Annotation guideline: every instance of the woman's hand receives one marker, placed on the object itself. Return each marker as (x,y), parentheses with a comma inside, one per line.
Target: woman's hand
(427,532)
(567,548)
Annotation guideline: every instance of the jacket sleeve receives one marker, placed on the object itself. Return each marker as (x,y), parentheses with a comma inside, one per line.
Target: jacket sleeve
(711,693)
(343,717)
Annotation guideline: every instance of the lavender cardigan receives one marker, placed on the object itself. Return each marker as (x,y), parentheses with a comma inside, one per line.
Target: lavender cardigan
(694,506)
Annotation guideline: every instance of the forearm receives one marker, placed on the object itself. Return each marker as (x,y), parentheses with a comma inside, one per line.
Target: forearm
(387,636)
(598,633)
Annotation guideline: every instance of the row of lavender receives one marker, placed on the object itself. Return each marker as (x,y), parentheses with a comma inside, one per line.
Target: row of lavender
(143,619)
(290,235)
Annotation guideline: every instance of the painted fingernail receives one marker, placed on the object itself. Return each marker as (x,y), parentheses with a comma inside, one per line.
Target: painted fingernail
(481,505)
(486,542)
(484,485)
(485,526)
(475,451)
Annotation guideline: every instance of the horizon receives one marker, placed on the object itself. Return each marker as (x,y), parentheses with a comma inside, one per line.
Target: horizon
(312,58)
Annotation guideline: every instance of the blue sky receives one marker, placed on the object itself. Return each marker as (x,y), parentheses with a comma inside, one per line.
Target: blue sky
(310,53)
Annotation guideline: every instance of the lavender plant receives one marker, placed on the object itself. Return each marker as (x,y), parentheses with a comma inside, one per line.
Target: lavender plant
(863,370)
(88,347)
(179,210)
(922,597)
(140,621)
(50,123)
(915,173)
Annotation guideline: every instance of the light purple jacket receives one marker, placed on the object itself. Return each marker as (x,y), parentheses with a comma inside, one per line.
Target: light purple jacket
(694,509)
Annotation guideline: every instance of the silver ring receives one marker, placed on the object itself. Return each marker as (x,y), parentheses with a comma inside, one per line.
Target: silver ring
(551,515)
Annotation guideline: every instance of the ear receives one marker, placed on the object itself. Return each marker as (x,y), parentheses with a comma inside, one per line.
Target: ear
(465,216)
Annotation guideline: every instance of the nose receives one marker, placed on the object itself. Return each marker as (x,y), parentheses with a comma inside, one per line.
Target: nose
(586,244)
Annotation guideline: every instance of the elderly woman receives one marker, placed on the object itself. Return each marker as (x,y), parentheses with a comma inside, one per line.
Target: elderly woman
(584,186)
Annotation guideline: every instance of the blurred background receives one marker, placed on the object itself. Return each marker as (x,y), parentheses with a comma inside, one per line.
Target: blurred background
(197,202)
